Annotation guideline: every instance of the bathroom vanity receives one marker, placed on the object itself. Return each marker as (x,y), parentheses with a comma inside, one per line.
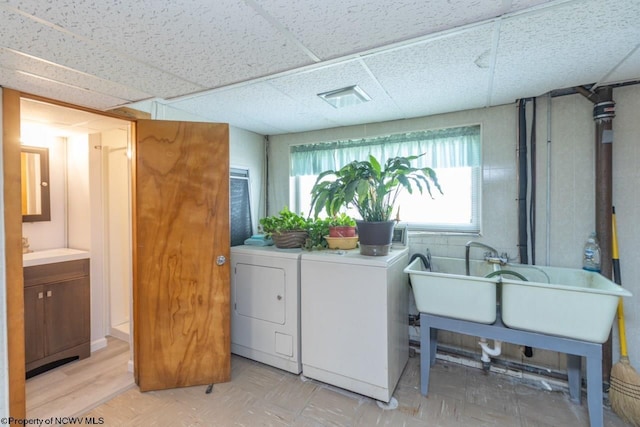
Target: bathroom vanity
(57,307)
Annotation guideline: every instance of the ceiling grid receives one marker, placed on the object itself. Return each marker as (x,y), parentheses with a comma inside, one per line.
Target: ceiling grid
(259,65)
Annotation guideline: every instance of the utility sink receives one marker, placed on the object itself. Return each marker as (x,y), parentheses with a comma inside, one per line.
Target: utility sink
(566,302)
(445,290)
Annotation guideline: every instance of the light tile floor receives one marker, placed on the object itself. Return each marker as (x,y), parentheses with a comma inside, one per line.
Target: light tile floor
(259,395)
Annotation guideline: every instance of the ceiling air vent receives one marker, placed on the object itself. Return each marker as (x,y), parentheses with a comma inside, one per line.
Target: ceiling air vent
(347,96)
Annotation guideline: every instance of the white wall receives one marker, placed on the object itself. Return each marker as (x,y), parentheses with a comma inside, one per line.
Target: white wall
(96,224)
(572,198)
(78,194)
(118,223)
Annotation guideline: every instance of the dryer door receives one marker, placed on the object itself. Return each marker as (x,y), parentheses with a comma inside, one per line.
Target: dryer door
(260,292)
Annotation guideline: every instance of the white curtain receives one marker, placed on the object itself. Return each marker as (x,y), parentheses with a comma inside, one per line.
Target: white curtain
(452,147)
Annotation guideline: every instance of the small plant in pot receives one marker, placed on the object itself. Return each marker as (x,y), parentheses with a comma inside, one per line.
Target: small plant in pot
(372,190)
(287,229)
(342,225)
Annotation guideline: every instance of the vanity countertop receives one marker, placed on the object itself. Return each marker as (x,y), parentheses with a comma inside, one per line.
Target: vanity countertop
(51,256)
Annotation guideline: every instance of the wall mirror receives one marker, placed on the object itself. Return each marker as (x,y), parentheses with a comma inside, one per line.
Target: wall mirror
(35,184)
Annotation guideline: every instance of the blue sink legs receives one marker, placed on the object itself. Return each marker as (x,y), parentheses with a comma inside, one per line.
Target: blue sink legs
(574,349)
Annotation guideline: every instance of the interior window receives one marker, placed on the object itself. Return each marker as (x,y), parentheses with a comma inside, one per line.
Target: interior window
(453,153)
(240,209)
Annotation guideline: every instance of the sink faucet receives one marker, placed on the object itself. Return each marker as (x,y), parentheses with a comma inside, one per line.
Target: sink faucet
(490,256)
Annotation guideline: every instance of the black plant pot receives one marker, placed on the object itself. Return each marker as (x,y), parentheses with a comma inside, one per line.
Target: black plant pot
(375,237)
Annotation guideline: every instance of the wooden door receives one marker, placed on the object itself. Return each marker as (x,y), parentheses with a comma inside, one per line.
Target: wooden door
(181,227)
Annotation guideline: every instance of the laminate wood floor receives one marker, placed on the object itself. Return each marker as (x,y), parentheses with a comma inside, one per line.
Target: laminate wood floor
(259,395)
(77,387)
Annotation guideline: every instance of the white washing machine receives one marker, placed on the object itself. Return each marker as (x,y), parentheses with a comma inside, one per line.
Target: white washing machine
(265,305)
(354,311)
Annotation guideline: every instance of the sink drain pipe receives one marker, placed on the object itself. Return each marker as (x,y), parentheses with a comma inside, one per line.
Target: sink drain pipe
(488,352)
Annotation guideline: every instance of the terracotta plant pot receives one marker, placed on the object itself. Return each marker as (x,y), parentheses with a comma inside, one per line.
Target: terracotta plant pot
(342,231)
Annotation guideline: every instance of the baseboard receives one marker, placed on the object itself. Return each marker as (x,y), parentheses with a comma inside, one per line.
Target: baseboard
(98,344)
(117,333)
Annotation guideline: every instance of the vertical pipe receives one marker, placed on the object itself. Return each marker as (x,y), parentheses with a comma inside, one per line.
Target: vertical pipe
(548,212)
(522,182)
(603,114)
(532,196)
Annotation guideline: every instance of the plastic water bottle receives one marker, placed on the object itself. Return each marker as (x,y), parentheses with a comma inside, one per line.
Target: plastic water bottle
(591,255)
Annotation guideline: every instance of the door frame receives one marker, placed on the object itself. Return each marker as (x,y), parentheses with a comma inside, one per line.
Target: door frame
(13,233)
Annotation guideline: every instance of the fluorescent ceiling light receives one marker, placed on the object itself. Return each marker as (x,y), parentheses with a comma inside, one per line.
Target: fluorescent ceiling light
(351,95)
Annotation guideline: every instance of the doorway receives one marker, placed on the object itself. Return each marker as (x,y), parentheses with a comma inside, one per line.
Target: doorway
(100,146)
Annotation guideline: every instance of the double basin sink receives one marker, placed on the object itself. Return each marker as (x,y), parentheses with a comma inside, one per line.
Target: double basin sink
(571,303)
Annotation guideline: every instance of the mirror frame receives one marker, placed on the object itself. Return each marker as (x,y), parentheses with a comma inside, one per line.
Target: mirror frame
(45,215)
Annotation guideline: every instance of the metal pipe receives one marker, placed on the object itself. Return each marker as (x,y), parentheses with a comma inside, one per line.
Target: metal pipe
(468,249)
(522,182)
(548,210)
(603,114)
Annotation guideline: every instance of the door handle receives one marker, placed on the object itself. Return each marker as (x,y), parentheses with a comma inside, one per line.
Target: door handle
(221,260)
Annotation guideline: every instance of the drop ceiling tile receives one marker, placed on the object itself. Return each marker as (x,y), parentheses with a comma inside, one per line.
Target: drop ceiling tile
(447,74)
(573,44)
(268,110)
(60,47)
(58,91)
(305,87)
(628,70)
(12,60)
(208,43)
(332,28)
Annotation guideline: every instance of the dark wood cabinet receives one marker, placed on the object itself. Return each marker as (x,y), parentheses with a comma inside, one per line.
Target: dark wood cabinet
(57,312)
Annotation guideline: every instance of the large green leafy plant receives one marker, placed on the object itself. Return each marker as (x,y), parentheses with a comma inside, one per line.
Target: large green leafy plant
(284,221)
(371,188)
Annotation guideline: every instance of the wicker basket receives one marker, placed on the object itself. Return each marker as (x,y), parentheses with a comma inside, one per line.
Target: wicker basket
(290,239)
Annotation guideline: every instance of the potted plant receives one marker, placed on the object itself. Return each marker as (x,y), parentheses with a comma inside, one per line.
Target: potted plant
(287,229)
(342,225)
(373,190)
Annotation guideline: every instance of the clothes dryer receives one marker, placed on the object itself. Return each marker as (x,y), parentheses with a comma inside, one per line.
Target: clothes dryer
(265,305)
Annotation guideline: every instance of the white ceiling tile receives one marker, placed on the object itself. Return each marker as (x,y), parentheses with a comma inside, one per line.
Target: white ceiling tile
(305,87)
(65,49)
(413,57)
(567,46)
(258,103)
(207,43)
(436,76)
(50,89)
(629,70)
(11,60)
(332,28)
